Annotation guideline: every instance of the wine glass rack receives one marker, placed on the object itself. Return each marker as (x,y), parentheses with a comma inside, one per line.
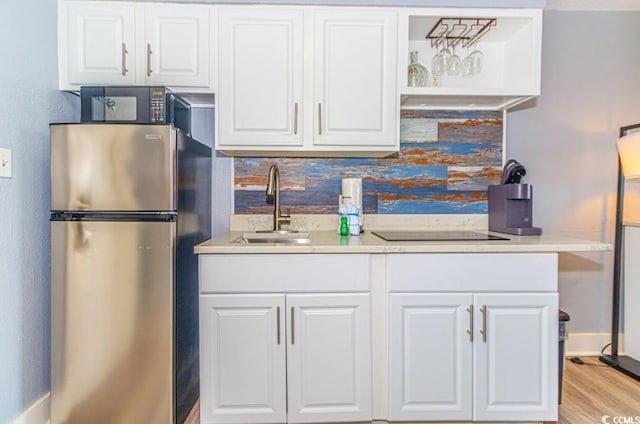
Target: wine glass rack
(455,31)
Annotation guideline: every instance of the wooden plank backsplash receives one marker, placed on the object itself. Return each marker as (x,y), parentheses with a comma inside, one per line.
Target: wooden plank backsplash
(446,161)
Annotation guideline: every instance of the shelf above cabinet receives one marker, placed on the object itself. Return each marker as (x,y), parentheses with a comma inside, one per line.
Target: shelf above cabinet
(459,99)
(510,59)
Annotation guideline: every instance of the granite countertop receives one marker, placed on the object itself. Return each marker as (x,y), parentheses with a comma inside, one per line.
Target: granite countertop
(331,242)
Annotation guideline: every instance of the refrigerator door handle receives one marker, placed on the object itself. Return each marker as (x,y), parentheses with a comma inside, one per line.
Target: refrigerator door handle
(114,216)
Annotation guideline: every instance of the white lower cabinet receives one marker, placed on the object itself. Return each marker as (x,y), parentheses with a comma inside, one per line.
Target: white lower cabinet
(515,369)
(242,359)
(430,357)
(276,358)
(288,338)
(473,356)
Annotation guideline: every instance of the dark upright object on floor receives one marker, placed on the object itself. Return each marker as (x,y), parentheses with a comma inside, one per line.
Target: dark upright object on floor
(563,319)
(625,364)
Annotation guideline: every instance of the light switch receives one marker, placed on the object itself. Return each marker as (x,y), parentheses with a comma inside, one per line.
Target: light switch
(5,163)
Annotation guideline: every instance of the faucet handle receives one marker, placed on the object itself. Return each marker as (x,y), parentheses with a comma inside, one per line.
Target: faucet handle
(284,219)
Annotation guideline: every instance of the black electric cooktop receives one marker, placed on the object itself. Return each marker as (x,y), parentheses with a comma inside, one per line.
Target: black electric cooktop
(435,236)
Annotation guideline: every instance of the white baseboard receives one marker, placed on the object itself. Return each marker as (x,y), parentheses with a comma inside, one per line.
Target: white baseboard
(38,413)
(589,344)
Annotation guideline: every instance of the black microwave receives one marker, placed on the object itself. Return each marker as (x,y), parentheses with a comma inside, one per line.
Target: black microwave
(125,104)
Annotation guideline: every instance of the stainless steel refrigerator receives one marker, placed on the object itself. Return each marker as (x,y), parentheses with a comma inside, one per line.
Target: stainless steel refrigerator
(128,203)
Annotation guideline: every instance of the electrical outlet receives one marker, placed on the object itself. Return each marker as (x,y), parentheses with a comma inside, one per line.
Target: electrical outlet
(5,163)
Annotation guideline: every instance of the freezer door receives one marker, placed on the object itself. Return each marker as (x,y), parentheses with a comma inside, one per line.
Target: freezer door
(111,322)
(113,167)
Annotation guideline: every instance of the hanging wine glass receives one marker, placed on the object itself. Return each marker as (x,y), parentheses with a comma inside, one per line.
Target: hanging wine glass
(439,65)
(454,63)
(445,53)
(472,63)
(467,65)
(478,60)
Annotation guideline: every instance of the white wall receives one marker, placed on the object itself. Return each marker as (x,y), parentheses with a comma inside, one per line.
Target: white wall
(28,102)
(590,88)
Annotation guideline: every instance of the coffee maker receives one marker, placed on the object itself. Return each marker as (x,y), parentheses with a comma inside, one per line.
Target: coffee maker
(511,203)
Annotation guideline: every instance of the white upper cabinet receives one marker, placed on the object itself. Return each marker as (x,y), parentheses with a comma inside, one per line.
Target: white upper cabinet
(176,45)
(354,80)
(296,81)
(96,43)
(121,43)
(509,46)
(261,77)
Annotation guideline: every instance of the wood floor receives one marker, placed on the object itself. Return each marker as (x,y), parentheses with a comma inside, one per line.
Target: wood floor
(194,415)
(589,391)
(592,390)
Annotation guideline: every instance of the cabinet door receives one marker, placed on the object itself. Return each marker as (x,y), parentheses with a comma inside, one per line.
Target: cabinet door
(242,359)
(355,102)
(260,77)
(430,357)
(97,43)
(516,360)
(175,50)
(329,358)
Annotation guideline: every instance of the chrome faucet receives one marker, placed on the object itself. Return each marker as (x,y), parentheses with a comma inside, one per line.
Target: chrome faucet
(273,196)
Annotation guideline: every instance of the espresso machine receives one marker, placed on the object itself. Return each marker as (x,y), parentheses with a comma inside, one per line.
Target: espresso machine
(511,203)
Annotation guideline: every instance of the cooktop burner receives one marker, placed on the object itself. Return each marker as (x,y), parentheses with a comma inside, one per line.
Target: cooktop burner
(435,236)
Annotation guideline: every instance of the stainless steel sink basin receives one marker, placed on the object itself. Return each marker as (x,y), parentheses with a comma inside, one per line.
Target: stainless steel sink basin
(273,237)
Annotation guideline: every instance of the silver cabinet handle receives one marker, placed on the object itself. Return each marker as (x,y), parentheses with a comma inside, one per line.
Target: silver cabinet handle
(278,324)
(319,118)
(124,59)
(470,330)
(484,323)
(295,118)
(149,52)
(293,341)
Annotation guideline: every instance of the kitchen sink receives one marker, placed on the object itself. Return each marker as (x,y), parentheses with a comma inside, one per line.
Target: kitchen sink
(279,237)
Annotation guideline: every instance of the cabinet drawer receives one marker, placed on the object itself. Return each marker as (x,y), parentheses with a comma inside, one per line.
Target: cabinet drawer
(473,272)
(284,273)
